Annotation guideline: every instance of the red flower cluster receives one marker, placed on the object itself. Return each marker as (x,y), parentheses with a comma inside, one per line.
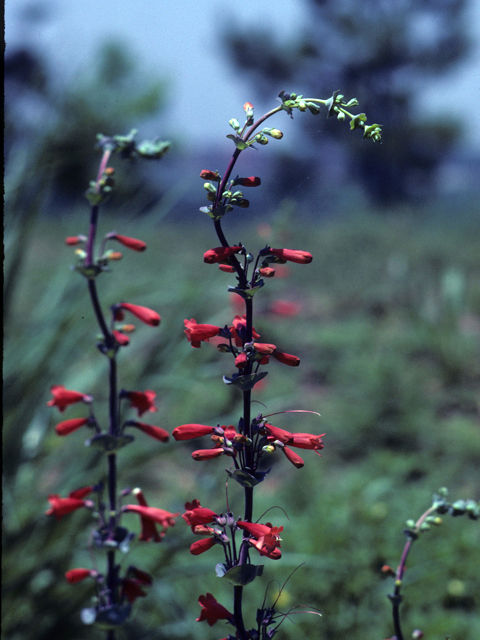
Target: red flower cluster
(221,435)
(264,537)
(299,440)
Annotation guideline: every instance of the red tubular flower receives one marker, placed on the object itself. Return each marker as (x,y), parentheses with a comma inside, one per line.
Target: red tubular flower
(62,506)
(154,432)
(200,546)
(286,358)
(212,611)
(132,588)
(207,454)
(77,575)
(146,315)
(294,458)
(121,338)
(220,254)
(285,308)
(197,333)
(227,268)
(196,514)
(278,434)
(292,255)
(267,538)
(62,397)
(142,401)
(206,174)
(75,240)
(69,426)
(149,528)
(154,516)
(190,431)
(241,360)
(264,348)
(307,441)
(252,181)
(267,272)
(131,243)
(238,327)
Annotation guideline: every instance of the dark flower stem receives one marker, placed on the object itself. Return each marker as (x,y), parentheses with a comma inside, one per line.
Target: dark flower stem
(396,597)
(113,393)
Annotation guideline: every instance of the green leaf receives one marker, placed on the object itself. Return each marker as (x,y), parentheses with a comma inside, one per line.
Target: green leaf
(243,574)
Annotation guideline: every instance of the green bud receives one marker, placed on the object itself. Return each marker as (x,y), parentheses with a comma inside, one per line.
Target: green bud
(302,105)
(209,187)
(340,116)
(410,524)
(313,108)
(227,194)
(261,139)
(374,132)
(425,526)
(358,121)
(351,103)
(234,124)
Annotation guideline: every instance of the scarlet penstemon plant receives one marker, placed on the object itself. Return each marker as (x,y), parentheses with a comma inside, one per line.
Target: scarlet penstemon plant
(115,588)
(253,438)
(413,530)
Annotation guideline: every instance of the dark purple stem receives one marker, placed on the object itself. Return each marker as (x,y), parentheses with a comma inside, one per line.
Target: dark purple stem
(396,597)
(113,393)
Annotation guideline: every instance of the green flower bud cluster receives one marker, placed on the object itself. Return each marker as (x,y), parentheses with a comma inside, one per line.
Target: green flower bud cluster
(127,148)
(100,191)
(335,106)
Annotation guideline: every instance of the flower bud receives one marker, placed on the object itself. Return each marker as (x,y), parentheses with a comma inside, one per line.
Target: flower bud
(209,187)
(248,108)
(206,174)
(234,124)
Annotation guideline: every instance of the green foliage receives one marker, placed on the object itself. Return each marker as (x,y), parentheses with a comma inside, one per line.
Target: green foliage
(388,335)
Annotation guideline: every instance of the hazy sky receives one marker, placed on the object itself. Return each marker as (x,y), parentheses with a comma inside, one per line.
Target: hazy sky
(179,39)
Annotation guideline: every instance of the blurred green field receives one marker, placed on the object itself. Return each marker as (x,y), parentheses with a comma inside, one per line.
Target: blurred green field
(388,331)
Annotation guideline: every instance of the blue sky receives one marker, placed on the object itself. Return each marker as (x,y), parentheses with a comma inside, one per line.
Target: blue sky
(180,40)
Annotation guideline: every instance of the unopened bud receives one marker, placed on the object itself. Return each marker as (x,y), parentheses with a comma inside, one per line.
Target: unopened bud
(302,105)
(234,124)
(209,187)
